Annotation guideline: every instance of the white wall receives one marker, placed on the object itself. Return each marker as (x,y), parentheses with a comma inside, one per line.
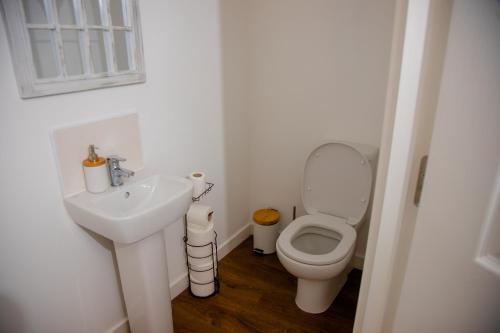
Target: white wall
(293,72)
(54,276)
(319,71)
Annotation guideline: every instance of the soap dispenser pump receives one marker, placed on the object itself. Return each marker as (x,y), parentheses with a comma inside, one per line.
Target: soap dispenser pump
(95,172)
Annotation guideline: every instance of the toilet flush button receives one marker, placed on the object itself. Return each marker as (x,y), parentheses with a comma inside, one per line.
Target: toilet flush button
(363,200)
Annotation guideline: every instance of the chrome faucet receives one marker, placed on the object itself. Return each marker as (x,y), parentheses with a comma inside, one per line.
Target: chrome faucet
(116,172)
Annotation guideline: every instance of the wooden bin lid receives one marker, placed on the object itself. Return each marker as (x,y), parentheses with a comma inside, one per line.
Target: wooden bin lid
(267,216)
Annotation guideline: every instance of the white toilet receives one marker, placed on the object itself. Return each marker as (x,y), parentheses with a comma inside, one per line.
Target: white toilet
(318,247)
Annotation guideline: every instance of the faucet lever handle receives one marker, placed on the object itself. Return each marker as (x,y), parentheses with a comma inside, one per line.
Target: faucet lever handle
(116,158)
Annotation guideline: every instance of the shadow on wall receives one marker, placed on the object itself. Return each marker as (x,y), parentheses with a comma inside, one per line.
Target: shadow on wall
(11,316)
(108,245)
(234,30)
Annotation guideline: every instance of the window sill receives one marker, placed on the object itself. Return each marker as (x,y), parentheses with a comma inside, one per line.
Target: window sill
(63,87)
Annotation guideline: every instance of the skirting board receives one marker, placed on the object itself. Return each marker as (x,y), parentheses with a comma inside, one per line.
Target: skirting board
(180,284)
(120,327)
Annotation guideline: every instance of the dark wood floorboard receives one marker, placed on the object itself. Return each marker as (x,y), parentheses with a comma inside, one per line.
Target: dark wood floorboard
(258,295)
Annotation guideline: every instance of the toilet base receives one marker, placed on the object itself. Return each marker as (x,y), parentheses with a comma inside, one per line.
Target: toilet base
(316,296)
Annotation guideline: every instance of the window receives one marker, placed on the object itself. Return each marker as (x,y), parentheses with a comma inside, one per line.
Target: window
(60,46)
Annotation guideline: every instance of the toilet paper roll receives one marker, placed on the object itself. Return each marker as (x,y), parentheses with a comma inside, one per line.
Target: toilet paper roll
(199,183)
(203,256)
(199,215)
(203,273)
(202,290)
(202,237)
(198,235)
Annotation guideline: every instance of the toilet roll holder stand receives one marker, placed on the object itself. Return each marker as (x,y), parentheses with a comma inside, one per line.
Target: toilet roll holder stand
(213,254)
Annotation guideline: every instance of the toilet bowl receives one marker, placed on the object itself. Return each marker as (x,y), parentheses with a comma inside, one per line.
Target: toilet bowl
(317,248)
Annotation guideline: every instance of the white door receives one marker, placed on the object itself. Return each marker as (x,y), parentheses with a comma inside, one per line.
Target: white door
(444,288)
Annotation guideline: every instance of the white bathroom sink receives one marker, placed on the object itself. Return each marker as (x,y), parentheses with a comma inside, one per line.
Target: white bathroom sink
(144,205)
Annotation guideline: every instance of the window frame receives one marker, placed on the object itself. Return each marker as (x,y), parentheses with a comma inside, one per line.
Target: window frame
(30,85)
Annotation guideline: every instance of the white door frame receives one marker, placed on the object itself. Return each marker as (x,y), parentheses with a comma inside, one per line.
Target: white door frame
(395,163)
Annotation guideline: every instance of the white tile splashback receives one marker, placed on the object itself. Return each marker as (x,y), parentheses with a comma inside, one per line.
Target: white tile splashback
(117,135)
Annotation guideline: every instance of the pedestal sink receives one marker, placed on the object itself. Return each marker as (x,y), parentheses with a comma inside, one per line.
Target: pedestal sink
(133,216)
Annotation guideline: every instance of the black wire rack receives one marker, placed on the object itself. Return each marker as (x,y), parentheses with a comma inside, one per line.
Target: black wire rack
(213,255)
(209,187)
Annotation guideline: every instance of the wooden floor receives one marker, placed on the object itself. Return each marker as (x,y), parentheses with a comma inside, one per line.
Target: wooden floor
(258,295)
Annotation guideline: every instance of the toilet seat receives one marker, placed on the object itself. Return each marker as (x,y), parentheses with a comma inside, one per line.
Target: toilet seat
(337,181)
(333,223)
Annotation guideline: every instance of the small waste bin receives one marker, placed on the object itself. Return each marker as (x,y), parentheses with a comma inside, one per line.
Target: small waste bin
(265,230)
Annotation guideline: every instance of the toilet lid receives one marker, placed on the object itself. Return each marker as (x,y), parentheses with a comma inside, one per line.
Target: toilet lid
(343,248)
(337,181)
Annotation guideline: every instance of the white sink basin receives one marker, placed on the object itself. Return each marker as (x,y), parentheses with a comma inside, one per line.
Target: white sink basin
(147,203)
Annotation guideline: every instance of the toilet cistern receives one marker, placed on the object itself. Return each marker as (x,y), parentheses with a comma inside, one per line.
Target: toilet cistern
(116,172)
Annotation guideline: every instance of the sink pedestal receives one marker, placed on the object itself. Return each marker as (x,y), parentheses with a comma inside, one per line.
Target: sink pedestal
(144,278)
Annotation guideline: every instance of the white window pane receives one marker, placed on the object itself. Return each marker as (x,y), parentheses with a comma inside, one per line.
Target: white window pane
(57,50)
(66,12)
(42,45)
(72,52)
(121,50)
(97,51)
(116,9)
(93,11)
(34,11)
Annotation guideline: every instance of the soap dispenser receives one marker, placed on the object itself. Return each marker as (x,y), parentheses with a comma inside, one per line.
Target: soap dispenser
(95,172)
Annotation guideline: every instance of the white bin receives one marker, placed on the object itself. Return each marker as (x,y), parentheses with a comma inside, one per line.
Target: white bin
(265,230)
